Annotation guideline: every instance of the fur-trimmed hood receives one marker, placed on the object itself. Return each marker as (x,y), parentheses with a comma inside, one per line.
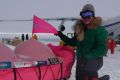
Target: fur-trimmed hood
(95,23)
(80,27)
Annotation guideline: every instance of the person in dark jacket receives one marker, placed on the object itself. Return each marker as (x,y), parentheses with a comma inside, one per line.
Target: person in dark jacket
(23,37)
(27,37)
(90,38)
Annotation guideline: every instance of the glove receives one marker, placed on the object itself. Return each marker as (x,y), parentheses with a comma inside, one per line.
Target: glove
(60,34)
(62,28)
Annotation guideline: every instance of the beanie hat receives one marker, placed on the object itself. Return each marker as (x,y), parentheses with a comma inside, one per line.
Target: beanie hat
(88,7)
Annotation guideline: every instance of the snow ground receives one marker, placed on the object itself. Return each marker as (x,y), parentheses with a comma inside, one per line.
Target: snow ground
(111,66)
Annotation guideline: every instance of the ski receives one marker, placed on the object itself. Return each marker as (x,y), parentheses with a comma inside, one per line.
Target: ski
(105,77)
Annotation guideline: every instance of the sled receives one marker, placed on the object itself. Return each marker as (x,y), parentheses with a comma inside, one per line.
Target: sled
(31,60)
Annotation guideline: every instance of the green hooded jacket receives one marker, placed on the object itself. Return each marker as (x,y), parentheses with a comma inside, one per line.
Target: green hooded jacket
(93,46)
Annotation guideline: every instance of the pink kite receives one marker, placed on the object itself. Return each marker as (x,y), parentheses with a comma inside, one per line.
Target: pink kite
(41,26)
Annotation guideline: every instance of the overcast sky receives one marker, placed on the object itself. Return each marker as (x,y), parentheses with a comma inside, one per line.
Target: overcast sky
(25,9)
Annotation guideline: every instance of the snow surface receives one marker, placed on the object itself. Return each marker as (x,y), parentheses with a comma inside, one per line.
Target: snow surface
(111,65)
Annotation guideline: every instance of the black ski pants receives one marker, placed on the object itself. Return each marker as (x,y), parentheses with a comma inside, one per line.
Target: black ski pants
(88,68)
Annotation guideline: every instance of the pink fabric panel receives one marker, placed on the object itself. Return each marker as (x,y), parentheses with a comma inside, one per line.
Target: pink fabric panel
(50,72)
(68,56)
(6,74)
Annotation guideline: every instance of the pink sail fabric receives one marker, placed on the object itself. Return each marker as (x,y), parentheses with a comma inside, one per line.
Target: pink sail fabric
(34,50)
(7,56)
(68,56)
(41,26)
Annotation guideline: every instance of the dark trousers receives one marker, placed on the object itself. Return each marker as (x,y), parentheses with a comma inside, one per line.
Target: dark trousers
(88,68)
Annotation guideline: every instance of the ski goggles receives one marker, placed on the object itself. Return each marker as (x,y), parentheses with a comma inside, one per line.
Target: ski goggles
(87,14)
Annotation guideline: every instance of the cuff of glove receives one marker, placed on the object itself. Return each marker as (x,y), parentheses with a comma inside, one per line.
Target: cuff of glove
(60,34)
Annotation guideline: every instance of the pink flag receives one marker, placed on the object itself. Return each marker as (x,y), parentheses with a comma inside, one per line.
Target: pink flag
(41,26)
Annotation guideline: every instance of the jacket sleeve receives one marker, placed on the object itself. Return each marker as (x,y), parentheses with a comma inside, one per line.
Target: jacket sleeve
(101,45)
(69,41)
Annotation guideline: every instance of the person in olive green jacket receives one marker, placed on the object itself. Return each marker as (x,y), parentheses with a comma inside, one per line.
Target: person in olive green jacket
(90,38)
